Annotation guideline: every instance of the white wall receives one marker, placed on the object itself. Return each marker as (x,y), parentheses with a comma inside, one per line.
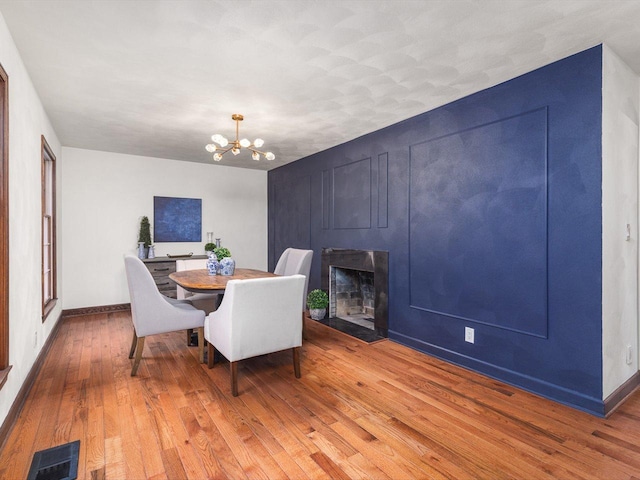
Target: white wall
(27,122)
(106,194)
(619,208)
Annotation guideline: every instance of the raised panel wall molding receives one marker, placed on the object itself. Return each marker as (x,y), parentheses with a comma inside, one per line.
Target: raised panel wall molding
(326,199)
(352,195)
(478,224)
(383,190)
(292,213)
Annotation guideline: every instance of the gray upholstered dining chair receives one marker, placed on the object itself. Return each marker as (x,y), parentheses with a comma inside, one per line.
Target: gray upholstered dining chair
(202,301)
(295,261)
(256,317)
(153,313)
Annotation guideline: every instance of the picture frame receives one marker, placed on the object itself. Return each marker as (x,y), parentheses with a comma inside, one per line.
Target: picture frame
(177,219)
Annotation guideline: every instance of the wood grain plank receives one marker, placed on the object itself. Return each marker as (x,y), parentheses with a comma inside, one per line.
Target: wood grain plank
(130,444)
(146,430)
(172,464)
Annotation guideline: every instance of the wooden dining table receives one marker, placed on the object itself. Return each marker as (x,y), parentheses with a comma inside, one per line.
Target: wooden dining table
(199,281)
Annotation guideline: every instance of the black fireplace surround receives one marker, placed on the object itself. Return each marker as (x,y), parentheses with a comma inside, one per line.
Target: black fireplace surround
(368,261)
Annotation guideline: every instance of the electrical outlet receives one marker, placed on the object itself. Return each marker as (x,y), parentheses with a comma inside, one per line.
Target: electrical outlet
(629,358)
(469,334)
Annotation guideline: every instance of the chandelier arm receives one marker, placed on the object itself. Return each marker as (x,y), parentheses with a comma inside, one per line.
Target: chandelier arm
(222,152)
(257,151)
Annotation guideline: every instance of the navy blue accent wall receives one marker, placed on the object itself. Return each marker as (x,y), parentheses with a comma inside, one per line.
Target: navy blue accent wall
(490,208)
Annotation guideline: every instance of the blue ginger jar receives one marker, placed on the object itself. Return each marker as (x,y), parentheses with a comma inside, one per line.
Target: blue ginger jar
(212,264)
(227,266)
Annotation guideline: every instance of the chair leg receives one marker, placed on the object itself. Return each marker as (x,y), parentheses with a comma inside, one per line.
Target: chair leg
(189,332)
(296,361)
(210,355)
(234,378)
(201,344)
(304,329)
(136,362)
(133,344)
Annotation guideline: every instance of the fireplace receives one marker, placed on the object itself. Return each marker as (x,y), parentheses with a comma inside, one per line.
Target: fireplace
(357,282)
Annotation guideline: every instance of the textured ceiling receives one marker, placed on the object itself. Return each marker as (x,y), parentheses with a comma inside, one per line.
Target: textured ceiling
(157,78)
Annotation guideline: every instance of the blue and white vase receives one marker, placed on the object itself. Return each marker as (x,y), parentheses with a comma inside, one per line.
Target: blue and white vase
(227,266)
(212,264)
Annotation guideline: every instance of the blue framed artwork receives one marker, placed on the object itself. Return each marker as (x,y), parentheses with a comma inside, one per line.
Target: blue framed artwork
(177,219)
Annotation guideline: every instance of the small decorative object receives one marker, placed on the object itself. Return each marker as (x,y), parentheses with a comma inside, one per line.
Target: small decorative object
(217,243)
(317,301)
(209,246)
(227,266)
(141,254)
(152,252)
(144,236)
(212,264)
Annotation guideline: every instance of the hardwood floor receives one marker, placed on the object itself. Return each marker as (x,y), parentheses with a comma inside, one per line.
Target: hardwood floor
(359,411)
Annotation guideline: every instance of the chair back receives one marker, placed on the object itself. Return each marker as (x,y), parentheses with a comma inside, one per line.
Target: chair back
(295,261)
(151,312)
(258,316)
(189,264)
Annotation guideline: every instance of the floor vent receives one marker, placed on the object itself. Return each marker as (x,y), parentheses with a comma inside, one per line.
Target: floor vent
(57,463)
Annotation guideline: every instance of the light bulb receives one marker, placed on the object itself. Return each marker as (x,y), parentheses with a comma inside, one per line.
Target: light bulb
(223,142)
(216,138)
(244,143)
(210,148)
(258,142)
(217,157)
(235,151)
(255,156)
(269,156)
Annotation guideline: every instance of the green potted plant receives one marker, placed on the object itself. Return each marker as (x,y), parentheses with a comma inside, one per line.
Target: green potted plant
(221,252)
(227,264)
(317,302)
(209,247)
(144,238)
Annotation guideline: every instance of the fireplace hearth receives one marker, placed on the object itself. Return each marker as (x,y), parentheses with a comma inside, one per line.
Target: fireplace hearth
(357,282)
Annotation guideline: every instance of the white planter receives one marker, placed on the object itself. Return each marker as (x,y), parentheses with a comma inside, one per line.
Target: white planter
(317,313)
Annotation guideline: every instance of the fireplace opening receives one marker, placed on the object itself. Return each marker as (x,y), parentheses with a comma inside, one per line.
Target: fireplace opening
(352,296)
(358,285)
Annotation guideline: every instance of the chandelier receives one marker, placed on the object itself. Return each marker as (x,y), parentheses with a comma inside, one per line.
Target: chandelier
(224,145)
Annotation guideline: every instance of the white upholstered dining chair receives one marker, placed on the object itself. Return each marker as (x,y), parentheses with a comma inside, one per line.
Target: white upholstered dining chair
(296,261)
(202,301)
(153,313)
(256,317)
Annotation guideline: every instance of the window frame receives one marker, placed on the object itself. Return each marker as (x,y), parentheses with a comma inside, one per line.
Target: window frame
(48,303)
(4,226)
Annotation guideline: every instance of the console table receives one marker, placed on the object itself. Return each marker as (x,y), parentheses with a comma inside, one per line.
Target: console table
(161,268)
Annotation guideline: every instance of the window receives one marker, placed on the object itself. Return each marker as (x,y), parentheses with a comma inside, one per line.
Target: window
(48,229)
(4,226)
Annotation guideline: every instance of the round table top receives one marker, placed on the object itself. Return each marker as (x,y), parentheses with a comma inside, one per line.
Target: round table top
(200,281)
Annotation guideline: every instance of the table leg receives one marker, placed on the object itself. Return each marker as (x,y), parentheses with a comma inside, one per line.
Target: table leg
(201,344)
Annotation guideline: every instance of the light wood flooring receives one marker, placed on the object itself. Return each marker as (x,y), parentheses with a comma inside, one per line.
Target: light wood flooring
(359,411)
